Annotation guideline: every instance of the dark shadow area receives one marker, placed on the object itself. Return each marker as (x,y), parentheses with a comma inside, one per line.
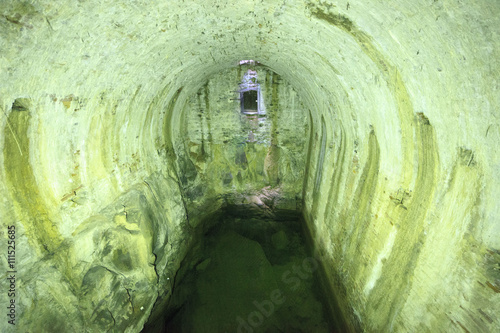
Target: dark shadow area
(249,274)
(249,101)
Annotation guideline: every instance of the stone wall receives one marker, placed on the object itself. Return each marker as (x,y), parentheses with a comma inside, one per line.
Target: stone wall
(227,157)
(400,184)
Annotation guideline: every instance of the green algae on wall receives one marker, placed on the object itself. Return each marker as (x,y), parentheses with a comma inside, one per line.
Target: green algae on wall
(222,152)
(388,71)
(383,260)
(395,282)
(392,286)
(272,160)
(23,188)
(356,64)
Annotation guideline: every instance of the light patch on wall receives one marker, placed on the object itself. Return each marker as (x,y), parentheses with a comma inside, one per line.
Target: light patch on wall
(321,157)
(377,269)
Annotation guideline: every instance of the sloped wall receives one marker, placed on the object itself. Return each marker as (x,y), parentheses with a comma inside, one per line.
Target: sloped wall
(410,245)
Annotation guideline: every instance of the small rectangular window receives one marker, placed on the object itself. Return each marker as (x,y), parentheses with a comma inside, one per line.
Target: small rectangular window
(249,102)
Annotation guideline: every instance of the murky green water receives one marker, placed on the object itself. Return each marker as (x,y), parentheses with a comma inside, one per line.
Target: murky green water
(250,275)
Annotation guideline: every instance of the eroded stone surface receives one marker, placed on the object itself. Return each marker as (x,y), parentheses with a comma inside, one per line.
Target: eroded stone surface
(400,183)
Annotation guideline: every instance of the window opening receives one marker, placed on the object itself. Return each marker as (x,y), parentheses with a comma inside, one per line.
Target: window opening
(250,94)
(249,101)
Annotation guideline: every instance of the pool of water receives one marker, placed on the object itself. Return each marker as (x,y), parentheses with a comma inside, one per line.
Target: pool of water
(250,275)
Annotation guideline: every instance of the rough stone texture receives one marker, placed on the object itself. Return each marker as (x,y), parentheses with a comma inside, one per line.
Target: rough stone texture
(401,180)
(222,152)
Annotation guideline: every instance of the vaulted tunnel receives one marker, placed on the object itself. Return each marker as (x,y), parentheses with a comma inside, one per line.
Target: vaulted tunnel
(124,146)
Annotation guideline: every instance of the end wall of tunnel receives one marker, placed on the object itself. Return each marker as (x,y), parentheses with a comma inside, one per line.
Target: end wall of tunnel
(400,181)
(226,157)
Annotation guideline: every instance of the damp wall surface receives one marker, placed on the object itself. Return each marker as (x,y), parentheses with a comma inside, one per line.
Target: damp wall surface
(397,208)
(226,157)
(400,183)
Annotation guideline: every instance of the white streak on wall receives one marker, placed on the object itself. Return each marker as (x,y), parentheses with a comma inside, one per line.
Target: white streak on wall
(377,269)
